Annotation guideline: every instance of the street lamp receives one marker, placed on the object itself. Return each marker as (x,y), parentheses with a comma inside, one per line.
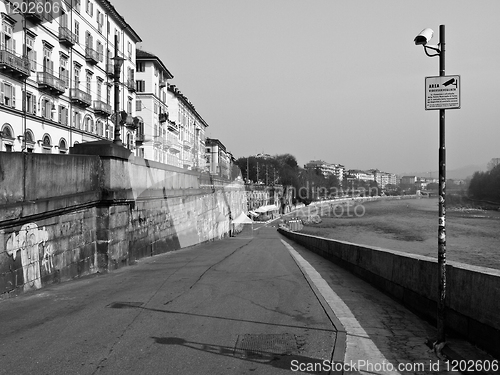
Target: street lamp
(118,62)
(439,50)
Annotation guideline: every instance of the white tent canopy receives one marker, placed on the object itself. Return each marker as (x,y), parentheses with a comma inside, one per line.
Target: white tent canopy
(242,219)
(267,208)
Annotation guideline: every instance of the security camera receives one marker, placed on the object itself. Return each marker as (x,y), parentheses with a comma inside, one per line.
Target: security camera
(424,37)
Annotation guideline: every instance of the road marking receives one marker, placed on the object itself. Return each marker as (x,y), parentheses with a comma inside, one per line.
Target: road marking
(359,345)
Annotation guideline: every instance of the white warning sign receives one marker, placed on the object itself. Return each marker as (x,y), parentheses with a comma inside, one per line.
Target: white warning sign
(442,92)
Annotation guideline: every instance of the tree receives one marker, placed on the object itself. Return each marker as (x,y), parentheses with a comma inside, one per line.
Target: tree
(493,163)
(486,185)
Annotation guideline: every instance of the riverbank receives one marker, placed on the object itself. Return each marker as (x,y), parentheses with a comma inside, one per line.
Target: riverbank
(410,225)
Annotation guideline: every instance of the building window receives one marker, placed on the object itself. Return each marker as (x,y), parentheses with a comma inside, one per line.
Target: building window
(8,42)
(100,21)
(140,85)
(63,149)
(76,73)
(89,40)
(77,32)
(100,51)
(129,51)
(48,64)
(89,8)
(63,115)
(30,102)
(7,94)
(129,107)
(141,67)
(63,70)
(99,128)
(46,144)
(138,105)
(77,120)
(99,88)
(31,53)
(89,124)
(89,83)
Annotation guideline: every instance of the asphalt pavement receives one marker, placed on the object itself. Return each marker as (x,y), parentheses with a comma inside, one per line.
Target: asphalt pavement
(251,304)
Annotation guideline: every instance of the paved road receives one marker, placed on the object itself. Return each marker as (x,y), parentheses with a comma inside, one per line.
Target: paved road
(252,304)
(227,307)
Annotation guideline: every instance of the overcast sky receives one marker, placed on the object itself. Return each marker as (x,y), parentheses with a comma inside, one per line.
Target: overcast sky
(340,81)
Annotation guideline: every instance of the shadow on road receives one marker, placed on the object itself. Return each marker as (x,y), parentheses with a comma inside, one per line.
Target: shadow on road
(277,360)
(138,305)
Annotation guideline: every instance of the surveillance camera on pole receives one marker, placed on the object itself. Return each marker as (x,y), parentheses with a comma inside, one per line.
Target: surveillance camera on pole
(423,39)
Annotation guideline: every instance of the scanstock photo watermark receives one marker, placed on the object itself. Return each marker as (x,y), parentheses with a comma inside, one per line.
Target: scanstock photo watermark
(367,366)
(45,11)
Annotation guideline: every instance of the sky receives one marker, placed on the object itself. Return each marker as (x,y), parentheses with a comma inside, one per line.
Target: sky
(336,80)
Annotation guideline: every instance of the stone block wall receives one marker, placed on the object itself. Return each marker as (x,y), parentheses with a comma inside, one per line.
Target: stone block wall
(66,216)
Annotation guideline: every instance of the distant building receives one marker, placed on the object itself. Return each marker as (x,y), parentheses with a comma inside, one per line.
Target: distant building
(383,178)
(191,127)
(357,174)
(327,169)
(157,138)
(218,159)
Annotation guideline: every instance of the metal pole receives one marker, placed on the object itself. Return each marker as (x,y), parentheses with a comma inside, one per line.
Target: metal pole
(116,80)
(442,205)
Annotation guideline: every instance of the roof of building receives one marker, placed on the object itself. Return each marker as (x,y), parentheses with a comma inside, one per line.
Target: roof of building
(144,55)
(120,20)
(178,94)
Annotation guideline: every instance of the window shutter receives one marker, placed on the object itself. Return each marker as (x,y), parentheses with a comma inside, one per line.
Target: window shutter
(34,61)
(33,98)
(59,112)
(66,115)
(13,96)
(2,94)
(13,45)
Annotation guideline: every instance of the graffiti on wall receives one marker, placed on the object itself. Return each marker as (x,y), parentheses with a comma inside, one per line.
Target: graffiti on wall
(31,243)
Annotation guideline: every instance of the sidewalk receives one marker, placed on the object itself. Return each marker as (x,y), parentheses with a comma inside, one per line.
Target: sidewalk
(382,336)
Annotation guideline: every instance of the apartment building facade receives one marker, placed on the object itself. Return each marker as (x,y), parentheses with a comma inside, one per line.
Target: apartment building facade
(219,160)
(157,137)
(188,127)
(327,169)
(56,75)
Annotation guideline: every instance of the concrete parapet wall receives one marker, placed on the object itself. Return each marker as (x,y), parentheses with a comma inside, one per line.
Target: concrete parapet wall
(65,216)
(473,293)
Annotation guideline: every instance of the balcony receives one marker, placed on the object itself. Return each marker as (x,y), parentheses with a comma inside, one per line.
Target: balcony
(131,84)
(163,117)
(91,55)
(80,98)
(32,9)
(172,126)
(167,144)
(140,138)
(67,37)
(175,147)
(14,65)
(102,108)
(187,145)
(47,81)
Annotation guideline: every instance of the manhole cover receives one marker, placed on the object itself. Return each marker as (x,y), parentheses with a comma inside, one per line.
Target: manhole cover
(265,344)
(124,305)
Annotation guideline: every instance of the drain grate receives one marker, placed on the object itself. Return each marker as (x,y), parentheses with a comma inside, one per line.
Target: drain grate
(266,344)
(125,305)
